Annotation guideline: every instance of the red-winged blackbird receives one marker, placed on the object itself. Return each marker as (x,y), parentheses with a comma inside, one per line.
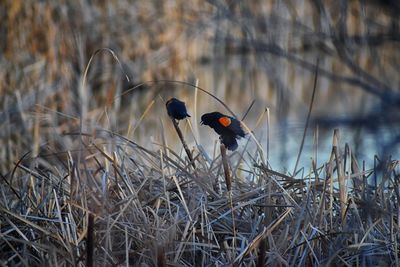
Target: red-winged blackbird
(176,109)
(228,128)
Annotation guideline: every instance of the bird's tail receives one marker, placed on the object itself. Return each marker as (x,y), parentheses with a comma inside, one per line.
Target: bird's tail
(229,141)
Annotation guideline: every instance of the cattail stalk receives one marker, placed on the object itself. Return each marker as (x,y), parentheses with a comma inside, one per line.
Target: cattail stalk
(228,181)
(228,178)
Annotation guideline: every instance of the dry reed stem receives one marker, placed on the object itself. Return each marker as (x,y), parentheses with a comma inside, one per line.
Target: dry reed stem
(227,173)
(179,132)
(308,116)
(146,207)
(340,168)
(161,259)
(90,241)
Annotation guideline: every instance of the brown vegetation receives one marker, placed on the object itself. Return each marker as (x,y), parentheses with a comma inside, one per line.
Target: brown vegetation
(90,176)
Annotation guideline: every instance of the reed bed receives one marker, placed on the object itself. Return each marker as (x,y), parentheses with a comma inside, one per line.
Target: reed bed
(111,202)
(83,182)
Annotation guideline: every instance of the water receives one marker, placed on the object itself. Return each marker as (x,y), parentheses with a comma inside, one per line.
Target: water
(240,79)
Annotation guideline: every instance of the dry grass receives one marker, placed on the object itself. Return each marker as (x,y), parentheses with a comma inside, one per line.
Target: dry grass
(112,202)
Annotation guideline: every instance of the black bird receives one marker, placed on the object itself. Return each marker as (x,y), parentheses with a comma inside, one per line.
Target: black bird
(176,109)
(228,128)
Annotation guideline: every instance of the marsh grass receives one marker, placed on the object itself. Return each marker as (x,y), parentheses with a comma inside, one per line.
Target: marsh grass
(78,186)
(91,196)
(108,201)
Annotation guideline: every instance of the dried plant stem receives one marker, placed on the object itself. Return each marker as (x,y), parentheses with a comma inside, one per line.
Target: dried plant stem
(161,260)
(228,181)
(233,223)
(90,241)
(179,132)
(308,116)
(341,177)
(228,178)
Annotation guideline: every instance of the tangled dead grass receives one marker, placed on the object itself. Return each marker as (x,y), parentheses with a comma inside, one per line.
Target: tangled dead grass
(107,201)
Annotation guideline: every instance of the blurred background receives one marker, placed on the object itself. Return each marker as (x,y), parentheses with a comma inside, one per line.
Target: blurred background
(258,54)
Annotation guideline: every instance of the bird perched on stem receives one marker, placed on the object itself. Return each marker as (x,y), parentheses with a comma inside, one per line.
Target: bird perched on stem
(176,109)
(228,128)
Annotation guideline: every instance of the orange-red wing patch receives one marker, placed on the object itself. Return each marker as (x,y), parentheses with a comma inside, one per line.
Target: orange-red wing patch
(225,121)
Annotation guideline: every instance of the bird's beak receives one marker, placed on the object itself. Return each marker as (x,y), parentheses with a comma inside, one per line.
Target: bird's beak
(202,123)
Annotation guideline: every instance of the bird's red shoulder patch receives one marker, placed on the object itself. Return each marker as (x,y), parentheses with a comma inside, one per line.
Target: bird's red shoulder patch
(225,121)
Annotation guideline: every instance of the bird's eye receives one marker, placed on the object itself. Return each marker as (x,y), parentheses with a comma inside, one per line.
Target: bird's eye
(225,121)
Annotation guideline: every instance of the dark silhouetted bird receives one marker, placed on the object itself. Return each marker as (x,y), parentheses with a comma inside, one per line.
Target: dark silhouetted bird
(176,109)
(228,128)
